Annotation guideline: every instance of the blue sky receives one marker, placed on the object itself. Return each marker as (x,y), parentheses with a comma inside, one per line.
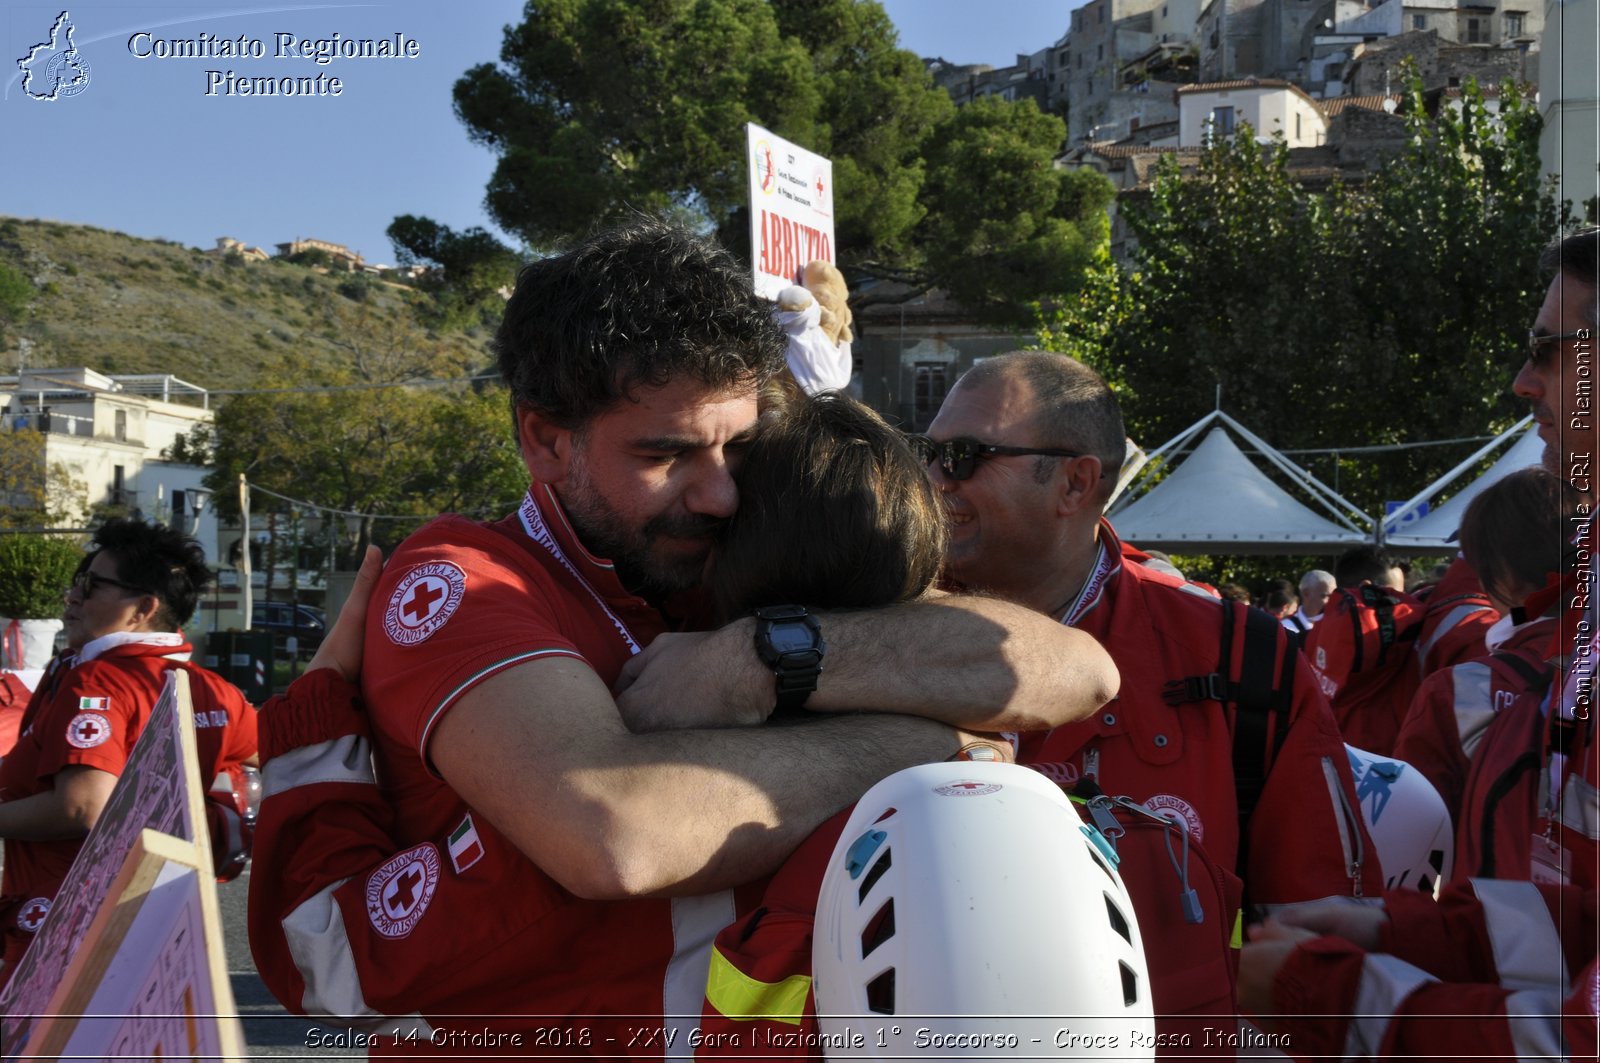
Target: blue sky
(143,148)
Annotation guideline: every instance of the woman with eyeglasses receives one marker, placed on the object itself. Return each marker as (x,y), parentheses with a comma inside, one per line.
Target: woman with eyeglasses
(123,611)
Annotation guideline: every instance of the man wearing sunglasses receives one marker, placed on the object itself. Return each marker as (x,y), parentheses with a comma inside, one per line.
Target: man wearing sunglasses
(1025,451)
(123,611)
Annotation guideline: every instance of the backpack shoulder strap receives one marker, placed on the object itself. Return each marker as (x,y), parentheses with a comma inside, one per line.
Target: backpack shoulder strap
(1257,696)
(1261,696)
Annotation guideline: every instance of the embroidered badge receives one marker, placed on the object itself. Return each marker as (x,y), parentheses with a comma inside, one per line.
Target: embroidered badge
(399,891)
(466,848)
(1177,808)
(88,729)
(31,915)
(424,600)
(966,788)
(94,704)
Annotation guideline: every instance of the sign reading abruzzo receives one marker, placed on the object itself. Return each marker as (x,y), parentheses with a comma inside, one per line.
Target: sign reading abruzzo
(791,210)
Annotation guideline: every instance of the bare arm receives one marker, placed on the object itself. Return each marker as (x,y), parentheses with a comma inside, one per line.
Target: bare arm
(542,752)
(965,660)
(66,810)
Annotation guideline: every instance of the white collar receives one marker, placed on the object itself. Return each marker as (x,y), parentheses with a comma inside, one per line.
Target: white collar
(95,647)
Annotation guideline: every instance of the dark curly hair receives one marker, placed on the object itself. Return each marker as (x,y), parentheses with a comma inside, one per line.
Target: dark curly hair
(635,306)
(158,560)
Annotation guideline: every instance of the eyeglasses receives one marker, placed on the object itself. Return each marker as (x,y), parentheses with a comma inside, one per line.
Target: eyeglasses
(1541,344)
(86,582)
(959,457)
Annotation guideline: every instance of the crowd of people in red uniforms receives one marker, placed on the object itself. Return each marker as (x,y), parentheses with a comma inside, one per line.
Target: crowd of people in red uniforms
(542,776)
(1018,457)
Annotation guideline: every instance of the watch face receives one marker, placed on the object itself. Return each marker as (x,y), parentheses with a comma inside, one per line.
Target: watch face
(787,638)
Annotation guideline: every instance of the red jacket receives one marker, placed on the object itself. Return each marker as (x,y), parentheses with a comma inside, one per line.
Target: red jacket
(399,910)
(92,716)
(1456,619)
(1492,970)
(1454,706)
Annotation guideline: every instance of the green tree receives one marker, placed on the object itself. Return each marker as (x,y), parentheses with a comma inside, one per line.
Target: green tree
(34,494)
(16,292)
(468,269)
(381,440)
(601,107)
(1003,223)
(1371,315)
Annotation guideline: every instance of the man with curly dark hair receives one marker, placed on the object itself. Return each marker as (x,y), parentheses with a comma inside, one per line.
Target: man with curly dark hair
(553,759)
(123,612)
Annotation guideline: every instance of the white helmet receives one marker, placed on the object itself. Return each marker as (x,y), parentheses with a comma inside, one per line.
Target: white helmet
(967,911)
(1407,819)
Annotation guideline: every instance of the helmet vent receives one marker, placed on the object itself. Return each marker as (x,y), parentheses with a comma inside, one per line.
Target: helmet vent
(1130,984)
(873,874)
(880,993)
(1118,922)
(880,928)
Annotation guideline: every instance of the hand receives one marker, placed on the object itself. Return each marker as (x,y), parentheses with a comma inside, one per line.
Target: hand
(1359,924)
(341,648)
(1259,964)
(990,748)
(699,679)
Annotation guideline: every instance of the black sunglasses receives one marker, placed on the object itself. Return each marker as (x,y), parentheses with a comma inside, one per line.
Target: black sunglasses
(1541,344)
(959,457)
(86,582)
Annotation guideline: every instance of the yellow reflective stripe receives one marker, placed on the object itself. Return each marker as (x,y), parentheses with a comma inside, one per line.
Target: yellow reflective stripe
(1238,930)
(738,996)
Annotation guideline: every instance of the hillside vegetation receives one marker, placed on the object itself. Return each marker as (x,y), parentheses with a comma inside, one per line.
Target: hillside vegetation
(121,304)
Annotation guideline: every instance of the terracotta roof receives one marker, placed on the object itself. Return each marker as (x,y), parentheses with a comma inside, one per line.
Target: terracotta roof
(1243,83)
(1125,151)
(1341,103)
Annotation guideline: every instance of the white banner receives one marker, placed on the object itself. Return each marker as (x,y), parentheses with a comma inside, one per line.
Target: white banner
(791,210)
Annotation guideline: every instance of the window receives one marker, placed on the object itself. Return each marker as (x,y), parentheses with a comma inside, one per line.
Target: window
(1297,132)
(1419,22)
(1221,121)
(928,392)
(1477,33)
(1513,23)
(1099,51)
(120,428)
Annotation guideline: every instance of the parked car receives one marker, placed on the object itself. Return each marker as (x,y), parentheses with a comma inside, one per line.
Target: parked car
(306,623)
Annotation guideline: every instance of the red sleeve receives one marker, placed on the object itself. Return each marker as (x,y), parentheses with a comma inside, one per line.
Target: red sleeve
(446,616)
(93,720)
(1429,740)
(1306,831)
(324,835)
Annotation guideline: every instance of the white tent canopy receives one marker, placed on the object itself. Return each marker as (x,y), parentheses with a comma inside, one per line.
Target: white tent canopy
(1436,530)
(1216,501)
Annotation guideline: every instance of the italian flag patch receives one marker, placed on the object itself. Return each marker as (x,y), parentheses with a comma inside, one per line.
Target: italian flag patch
(465,848)
(93,704)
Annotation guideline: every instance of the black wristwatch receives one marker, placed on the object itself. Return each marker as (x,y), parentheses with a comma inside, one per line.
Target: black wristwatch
(789,641)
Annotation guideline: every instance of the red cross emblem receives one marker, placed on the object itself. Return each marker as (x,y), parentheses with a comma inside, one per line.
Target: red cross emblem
(966,788)
(33,914)
(424,599)
(820,189)
(398,893)
(401,893)
(87,730)
(423,595)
